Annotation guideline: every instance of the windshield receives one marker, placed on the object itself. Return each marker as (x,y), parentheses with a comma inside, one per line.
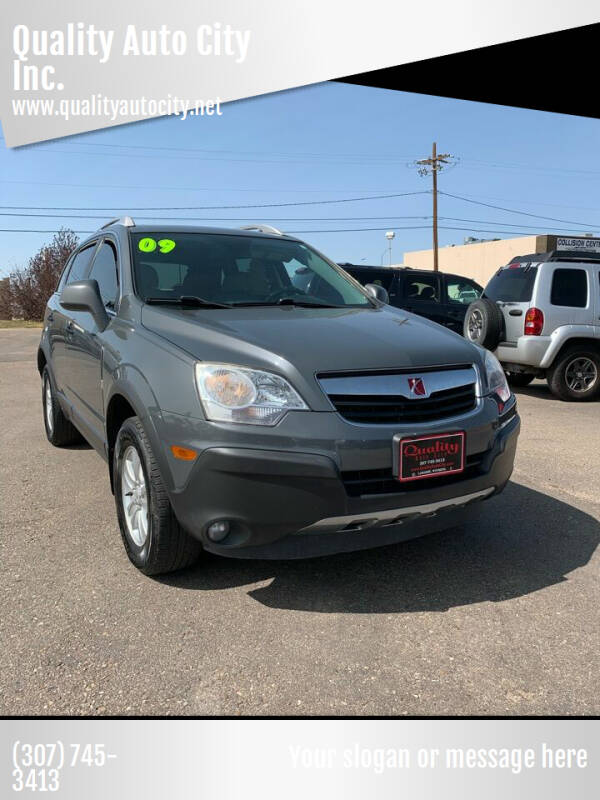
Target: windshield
(237,270)
(512,284)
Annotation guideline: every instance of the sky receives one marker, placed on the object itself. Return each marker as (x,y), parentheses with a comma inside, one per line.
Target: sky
(324,142)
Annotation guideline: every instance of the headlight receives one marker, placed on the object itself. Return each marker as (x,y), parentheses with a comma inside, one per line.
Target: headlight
(496,379)
(252,396)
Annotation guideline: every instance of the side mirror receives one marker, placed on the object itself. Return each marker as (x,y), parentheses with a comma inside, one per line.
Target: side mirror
(378,292)
(85,296)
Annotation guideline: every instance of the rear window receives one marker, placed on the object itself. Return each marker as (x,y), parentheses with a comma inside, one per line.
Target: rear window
(569,288)
(512,285)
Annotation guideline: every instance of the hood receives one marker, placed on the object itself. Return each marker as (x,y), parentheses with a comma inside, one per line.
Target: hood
(310,340)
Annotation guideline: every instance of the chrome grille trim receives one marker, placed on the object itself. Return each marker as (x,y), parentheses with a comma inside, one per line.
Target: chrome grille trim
(397,384)
(345,391)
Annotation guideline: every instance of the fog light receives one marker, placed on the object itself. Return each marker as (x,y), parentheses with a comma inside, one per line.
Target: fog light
(217,531)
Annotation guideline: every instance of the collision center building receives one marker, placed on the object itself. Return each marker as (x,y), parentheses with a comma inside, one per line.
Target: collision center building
(480,260)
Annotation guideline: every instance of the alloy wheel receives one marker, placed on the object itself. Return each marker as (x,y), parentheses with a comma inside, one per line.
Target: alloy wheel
(581,374)
(475,324)
(134,497)
(48,407)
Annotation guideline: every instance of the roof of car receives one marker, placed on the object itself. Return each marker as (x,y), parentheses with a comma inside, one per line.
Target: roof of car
(201,229)
(265,231)
(347,264)
(557,255)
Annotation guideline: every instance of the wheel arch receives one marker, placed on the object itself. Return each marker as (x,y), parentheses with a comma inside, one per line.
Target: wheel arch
(119,409)
(574,343)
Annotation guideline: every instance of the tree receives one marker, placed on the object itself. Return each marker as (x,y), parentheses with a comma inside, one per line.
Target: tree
(6,301)
(31,286)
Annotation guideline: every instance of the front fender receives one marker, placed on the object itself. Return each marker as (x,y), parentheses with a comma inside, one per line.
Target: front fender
(129,383)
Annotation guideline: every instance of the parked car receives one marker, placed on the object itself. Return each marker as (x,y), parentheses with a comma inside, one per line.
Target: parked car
(438,296)
(540,314)
(240,414)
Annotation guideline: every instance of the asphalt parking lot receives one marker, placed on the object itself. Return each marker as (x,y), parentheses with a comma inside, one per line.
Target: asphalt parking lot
(498,617)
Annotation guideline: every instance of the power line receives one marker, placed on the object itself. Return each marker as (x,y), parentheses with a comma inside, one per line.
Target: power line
(391,217)
(270,153)
(156,187)
(338,230)
(35,149)
(208,219)
(379,157)
(515,211)
(111,209)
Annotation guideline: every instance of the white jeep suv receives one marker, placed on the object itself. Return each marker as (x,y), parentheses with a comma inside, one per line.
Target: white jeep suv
(540,315)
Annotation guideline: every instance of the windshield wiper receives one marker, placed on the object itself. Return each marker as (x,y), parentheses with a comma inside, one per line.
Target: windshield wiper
(286,301)
(291,301)
(188,300)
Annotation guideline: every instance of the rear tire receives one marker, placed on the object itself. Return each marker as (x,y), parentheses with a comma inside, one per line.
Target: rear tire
(576,376)
(483,323)
(59,431)
(519,378)
(154,541)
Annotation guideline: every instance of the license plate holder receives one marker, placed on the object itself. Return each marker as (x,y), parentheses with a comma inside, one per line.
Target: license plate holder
(422,457)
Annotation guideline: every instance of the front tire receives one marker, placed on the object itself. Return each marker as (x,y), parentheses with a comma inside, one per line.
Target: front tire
(576,376)
(59,431)
(154,541)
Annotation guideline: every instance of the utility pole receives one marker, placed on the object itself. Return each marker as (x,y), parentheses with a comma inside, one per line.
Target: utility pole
(434,164)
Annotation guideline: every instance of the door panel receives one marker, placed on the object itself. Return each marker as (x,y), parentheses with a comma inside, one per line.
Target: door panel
(75,271)
(83,372)
(83,379)
(458,294)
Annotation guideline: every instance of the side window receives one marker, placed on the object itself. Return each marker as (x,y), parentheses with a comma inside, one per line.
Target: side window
(421,288)
(383,277)
(80,264)
(380,277)
(104,270)
(63,275)
(569,288)
(462,290)
(359,275)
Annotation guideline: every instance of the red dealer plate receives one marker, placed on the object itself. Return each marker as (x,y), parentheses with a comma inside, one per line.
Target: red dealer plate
(431,456)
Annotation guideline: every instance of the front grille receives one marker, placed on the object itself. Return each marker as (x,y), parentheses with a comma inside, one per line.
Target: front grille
(389,409)
(363,482)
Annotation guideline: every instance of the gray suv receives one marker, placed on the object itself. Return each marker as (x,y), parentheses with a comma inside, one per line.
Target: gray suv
(241,414)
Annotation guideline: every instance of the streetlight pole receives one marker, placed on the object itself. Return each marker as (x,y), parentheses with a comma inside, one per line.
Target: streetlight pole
(390,236)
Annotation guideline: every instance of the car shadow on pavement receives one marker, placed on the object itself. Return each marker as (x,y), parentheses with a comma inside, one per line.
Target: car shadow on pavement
(516,543)
(538,389)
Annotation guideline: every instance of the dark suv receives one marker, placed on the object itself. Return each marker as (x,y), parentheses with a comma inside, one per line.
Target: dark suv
(439,296)
(241,414)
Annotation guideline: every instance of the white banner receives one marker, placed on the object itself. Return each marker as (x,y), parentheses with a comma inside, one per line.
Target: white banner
(71,67)
(271,759)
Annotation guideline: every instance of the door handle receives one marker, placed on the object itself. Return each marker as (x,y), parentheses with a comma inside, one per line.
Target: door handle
(50,317)
(70,326)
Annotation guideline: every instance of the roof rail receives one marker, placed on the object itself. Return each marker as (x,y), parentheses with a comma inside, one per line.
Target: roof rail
(262,228)
(126,221)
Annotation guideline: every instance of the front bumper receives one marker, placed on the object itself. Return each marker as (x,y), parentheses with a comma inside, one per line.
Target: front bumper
(282,503)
